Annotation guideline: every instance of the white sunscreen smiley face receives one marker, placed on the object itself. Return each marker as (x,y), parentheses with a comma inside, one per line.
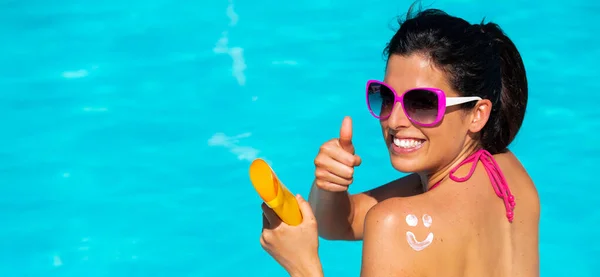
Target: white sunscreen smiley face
(412,221)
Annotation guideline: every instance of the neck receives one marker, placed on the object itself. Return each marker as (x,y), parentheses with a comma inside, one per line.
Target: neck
(430,178)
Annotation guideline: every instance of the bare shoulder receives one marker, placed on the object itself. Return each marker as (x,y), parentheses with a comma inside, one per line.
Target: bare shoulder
(516,175)
(401,236)
(520,183)
(509,161)
(419,214)
(406,186)
(363,202)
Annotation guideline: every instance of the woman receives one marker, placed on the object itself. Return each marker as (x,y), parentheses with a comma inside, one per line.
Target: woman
(452,100)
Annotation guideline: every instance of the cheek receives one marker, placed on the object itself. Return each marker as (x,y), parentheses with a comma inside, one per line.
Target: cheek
(448,136)
(384,127)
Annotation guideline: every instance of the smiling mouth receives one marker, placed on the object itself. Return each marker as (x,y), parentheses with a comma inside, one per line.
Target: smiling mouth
(418,245)
(404,145)
(407,143)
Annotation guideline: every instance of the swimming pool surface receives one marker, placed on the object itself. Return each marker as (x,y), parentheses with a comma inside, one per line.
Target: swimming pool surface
(128,127)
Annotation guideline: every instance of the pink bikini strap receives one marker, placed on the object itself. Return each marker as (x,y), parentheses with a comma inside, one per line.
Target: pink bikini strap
(494,173)
(496,178)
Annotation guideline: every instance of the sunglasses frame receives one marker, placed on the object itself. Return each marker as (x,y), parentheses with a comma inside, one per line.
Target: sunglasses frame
(443,102)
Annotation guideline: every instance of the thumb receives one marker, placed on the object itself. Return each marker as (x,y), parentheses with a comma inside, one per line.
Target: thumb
(346,135)
(305,209)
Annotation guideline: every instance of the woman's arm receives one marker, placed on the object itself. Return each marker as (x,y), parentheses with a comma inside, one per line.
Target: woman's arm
(334,212)
(313,270)
(341,216)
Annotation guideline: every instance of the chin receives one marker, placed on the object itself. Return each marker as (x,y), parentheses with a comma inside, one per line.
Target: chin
(406,165)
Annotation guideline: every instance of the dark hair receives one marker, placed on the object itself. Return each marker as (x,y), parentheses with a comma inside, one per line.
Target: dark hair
(479,59)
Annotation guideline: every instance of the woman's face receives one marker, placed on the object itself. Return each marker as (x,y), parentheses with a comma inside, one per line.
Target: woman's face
(414,148)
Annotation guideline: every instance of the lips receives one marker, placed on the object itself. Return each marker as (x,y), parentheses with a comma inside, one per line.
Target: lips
(405,144)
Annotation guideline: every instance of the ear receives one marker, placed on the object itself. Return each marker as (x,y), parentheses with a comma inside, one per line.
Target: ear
(480,115)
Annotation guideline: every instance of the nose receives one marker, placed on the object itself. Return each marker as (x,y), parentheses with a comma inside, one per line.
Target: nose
(398,118)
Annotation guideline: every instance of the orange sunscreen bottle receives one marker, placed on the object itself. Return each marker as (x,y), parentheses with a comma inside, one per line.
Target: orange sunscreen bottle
(274,193)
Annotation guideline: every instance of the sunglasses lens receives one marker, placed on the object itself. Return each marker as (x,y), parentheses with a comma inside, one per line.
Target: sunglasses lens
(421,105)
(380,99)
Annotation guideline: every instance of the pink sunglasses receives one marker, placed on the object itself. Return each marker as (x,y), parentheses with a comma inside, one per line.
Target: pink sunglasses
(423,106)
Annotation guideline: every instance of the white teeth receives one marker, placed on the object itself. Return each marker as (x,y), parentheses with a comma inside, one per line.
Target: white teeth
(407,143)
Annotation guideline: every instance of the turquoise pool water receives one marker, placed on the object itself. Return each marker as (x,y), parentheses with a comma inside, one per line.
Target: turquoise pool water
(128,127)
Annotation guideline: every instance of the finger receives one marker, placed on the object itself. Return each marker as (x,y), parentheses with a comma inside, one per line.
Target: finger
(337,153)
(346,135)
(335,167)
(305,208)
(271,216)
(324,175)
(324,185)
(357,160)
